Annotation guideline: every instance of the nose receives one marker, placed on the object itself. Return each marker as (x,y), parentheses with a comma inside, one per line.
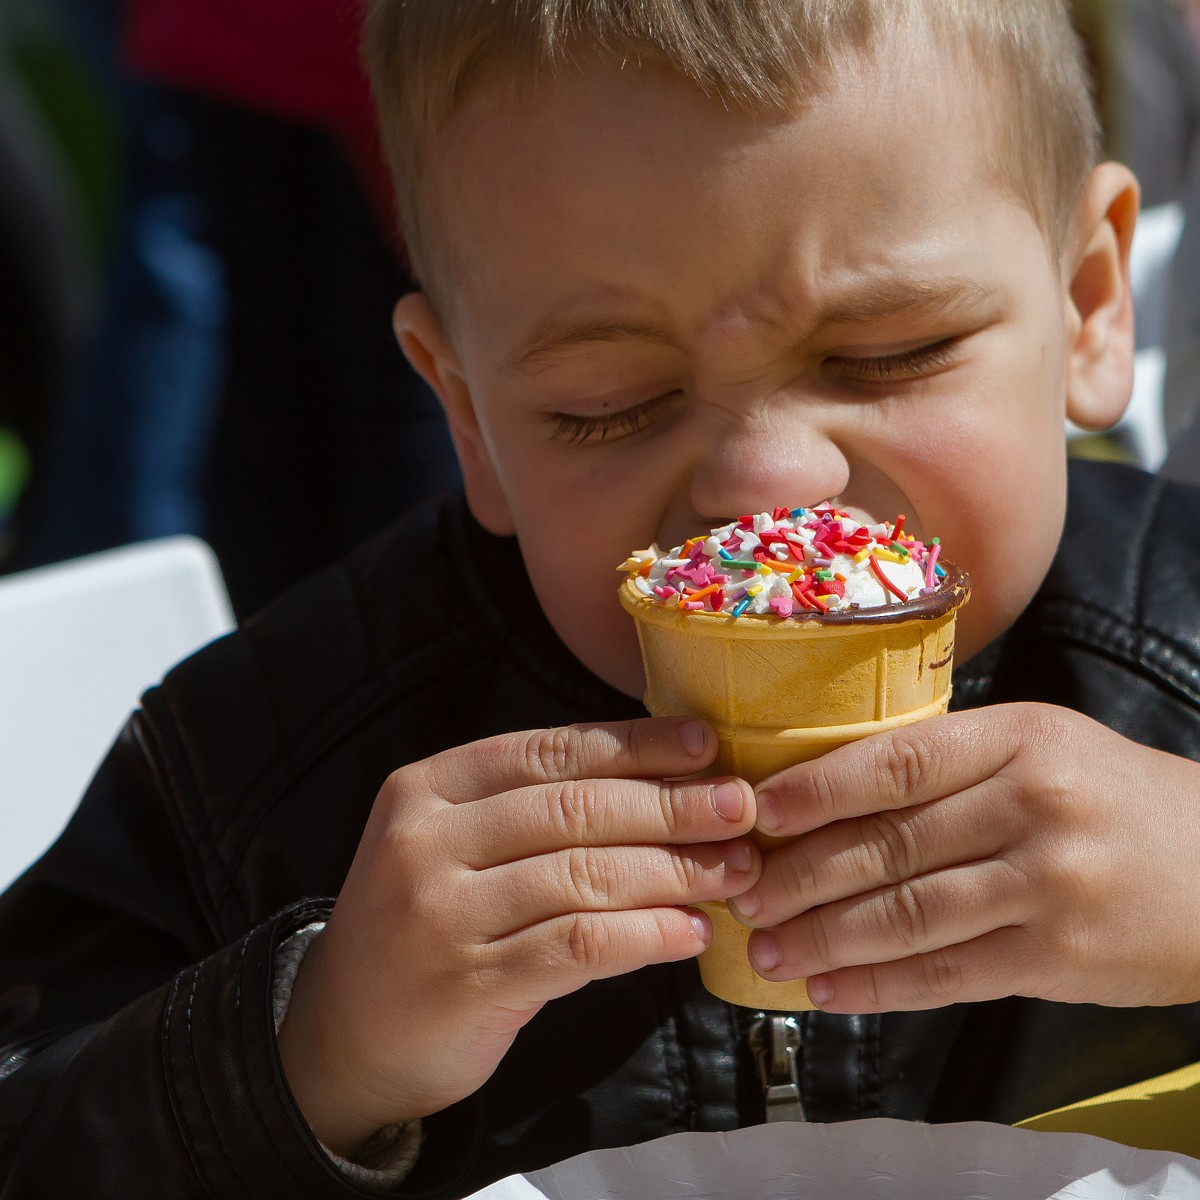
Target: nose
(765,459)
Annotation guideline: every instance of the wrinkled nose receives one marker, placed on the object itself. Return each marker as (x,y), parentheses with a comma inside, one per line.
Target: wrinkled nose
(763,461)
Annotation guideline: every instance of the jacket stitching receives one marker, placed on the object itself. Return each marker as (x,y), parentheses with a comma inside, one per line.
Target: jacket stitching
(249,1056)
(676,1064)
(683,1096)
(873,1083)
(168,1080)
(735,1040)
(1091,627)
(214,1128)
(807,1070)
(172,764)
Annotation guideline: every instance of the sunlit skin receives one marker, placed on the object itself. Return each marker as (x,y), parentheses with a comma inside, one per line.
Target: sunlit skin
(666,314)
(711,313)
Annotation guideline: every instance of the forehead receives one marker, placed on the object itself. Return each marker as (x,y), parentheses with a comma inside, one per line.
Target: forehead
(619,172)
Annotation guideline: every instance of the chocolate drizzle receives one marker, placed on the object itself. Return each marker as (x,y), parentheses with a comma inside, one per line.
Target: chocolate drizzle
(952,592)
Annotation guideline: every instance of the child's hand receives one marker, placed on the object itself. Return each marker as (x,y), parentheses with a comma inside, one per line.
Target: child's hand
(490,879)
(1017,850)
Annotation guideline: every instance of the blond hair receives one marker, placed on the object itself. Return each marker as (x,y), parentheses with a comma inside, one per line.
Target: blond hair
(424,56)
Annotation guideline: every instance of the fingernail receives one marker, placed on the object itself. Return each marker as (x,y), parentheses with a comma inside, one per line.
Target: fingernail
(693,736)
(702,927)
(744,907)
(820,990)
(765,952)
(728,800)
(740,858)
(769,811)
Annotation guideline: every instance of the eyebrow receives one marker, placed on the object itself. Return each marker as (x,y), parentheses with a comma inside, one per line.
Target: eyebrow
(899,298)
(552,337)
(858,305)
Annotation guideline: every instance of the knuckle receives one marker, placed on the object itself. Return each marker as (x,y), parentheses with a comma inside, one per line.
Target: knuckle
(1047,722)
(799,868)
(588,942)
(822,794)
(395,783)
(671,801)
(872,992)
(548,753)
(590,875)
(664,930)
(904,912)
(576,808)
(406,844)
(822,942)
(1052,733)
(890,842)
(941,976)
(403,848)
(637,737)
(402,786)
(904,762)
(688,872)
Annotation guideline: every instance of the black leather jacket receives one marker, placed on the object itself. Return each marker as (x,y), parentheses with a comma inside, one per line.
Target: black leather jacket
(135,958)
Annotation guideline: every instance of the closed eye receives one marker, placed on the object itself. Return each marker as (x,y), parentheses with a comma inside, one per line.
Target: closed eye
(892,368)
(574,429)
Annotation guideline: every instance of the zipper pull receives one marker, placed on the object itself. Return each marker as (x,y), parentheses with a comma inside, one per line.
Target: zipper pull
(775,1043)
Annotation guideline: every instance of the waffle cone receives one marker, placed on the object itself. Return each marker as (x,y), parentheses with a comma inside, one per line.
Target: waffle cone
(780,692)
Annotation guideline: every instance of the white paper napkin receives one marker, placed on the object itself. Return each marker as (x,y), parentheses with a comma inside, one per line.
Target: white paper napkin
(866,1160)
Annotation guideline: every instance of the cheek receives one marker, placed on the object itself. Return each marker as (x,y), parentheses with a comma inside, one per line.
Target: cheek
(583,609)
(1003,523)
(992,486)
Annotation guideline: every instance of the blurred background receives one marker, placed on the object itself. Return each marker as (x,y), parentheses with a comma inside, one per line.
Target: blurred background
(196,278)
(196,281)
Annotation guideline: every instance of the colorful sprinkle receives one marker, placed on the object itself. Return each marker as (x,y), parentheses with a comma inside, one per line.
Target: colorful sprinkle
(931,565)
(786,562)
(877,571)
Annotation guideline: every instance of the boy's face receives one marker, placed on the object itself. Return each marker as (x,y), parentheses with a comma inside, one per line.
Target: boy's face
(666,314)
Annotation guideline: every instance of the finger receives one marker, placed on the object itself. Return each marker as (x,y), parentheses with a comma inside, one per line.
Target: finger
(906,766)
(926,914)
(859,855)
(556,957)
(595,812)
(653,747)
(987,968)
(612,879)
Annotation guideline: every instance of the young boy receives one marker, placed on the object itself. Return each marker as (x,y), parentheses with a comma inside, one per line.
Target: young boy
(681,261)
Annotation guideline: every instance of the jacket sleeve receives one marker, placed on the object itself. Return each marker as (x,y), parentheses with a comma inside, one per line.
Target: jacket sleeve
(139,1054)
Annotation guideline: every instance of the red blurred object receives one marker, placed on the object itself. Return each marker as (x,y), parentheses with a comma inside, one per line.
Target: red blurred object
(295,59)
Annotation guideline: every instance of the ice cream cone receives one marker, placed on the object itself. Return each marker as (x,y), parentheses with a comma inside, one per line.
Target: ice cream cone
(779,692)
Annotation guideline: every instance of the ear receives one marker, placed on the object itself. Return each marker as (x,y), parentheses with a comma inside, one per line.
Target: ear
(423,340)
(1100,306)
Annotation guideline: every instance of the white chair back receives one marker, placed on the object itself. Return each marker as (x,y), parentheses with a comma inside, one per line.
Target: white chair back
(79,642)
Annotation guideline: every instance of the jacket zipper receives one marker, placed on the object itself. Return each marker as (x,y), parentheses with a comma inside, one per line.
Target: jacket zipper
(775,1042)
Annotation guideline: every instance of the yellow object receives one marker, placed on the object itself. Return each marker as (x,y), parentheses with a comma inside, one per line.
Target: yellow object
(780,692)
(1157,1114)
